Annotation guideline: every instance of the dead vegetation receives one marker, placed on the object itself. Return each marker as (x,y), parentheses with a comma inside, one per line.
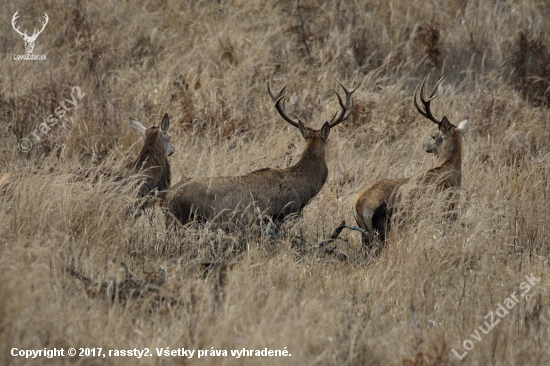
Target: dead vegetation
(125,290)
(311,288)
(530,62)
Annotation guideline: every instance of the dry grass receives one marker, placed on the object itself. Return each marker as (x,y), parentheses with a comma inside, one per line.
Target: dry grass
(206,64)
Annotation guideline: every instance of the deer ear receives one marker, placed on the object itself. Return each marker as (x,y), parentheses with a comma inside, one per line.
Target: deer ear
(325,130)
(303,130)
(463,127)
(137,127)
(165,124)
(445,126)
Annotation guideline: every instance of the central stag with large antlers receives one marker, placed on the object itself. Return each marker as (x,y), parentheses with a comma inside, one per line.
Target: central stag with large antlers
(272,192)
(373,206)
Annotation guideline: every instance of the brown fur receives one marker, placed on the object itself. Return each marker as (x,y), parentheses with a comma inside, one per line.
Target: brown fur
(373,200)
(275,193)
(272,193)
(9,179)
(6,180)
(448,170)
(151,166)
(151,163)
(372,206)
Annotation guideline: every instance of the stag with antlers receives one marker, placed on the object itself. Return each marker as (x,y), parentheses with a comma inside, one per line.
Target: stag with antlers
(274,193)
(373,206)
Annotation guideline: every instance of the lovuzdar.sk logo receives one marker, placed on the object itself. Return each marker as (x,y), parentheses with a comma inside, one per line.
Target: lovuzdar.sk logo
(29,40)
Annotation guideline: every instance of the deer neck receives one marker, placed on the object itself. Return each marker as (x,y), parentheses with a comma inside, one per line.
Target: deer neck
(310,171)
(450,160)
(154,165)
(451,153)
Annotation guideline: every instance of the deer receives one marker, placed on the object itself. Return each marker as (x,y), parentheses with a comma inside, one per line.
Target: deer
(374,205)
(29,40)
(150,169)
(275,193)
(152,161)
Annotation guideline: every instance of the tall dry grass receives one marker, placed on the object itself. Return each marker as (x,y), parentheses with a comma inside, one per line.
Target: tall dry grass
(206,64)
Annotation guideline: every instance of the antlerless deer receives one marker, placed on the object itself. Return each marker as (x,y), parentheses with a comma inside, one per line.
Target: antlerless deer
(150,170)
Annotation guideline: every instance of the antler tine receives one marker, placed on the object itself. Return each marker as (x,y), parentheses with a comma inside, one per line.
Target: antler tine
(349,112)
(432,96)
(278,95)
(343,115)
(45,22)
(36,31)
(278,99)
(348,92)
(333,117)
(13,19)
(427,112)
(416,103)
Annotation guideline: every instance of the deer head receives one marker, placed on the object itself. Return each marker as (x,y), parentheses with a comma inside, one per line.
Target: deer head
(161,137)
(152,160)
(309,133)
(446,130)
(29,40)
(433,145)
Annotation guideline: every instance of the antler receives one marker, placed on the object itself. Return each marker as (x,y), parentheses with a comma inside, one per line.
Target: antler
(343,115)
(427,113)
(278,98)
(36,33)
(13,19)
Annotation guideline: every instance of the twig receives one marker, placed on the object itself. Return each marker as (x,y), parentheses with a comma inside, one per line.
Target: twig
(77,275)
(357,229)
(415,326)
(337,232)
(123,290)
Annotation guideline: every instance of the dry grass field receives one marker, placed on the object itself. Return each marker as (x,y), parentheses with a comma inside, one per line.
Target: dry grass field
(203,287)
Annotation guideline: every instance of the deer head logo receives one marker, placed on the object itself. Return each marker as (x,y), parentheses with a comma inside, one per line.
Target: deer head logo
(29,40)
